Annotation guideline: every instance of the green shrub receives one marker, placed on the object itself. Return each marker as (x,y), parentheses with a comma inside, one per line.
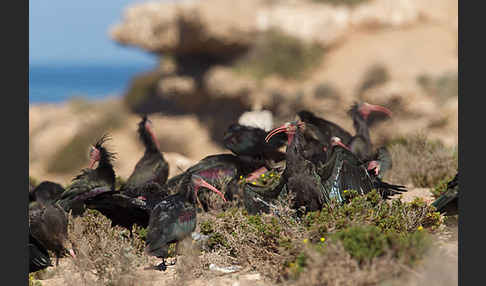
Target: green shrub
(370,209)
(363,242)
(441,187)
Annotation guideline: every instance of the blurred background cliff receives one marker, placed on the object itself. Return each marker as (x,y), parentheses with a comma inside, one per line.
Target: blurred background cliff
(196,66)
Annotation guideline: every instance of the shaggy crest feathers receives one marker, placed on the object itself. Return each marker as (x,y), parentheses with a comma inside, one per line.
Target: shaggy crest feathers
(105,155)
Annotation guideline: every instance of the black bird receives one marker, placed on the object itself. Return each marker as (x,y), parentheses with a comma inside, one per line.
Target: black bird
(174,218)
(46,191)
(380,163)
(90,182)
(222,171)
(152,167)
(317,183)
(48,225)
(355,175)
(38,256)
(300,176)
(250,141)
(448,202)
(364,115)
(127,211)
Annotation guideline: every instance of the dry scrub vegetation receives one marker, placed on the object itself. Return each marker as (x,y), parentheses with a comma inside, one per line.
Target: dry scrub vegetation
(366,241)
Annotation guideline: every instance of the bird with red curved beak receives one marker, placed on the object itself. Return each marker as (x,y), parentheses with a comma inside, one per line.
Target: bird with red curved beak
(365,109)
(91,182)
(174,218)
(289,127)
(94,156)
(336,141)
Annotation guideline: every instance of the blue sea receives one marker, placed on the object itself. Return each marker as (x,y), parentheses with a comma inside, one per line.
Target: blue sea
(50,83)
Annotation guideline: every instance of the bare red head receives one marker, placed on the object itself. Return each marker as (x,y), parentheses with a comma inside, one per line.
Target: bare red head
(94,156)
(199,182)
(374,165)
(150,130)
(289,127)
(365,109)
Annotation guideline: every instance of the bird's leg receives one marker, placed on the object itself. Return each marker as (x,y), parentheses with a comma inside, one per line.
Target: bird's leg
(57,258)
(162,266)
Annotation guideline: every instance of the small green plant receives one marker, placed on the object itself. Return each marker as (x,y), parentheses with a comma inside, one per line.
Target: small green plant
(33,281)
(363,242)
(441,187)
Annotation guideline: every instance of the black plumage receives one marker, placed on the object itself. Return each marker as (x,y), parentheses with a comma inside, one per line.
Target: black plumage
(48,225)
(126,211)
(250,141)
(152,167)
(221,170)
(46,191)
(364,115)
(316,183)
(91,182)
(38,256)
(174,218)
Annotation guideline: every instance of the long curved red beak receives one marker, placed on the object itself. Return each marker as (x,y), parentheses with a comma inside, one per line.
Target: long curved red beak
(201,183)
(338,142)
(367,108)
(284,128)
(280,129)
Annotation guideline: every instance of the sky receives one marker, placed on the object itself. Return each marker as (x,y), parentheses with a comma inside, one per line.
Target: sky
(63,31)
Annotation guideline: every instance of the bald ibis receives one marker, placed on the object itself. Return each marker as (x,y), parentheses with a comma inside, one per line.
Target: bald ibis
(250,141)
(174,218)
(46,191)
(48,225)
(364,115)
(126,211)
(152,167)
(90,182)
(316,183)
(221,170)
(447,203)
(300,176)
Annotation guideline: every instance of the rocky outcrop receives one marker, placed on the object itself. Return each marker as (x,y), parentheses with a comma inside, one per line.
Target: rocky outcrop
(221,28)
(203,42)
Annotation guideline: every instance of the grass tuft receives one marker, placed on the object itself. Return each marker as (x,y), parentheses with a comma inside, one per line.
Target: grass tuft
(421,162)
